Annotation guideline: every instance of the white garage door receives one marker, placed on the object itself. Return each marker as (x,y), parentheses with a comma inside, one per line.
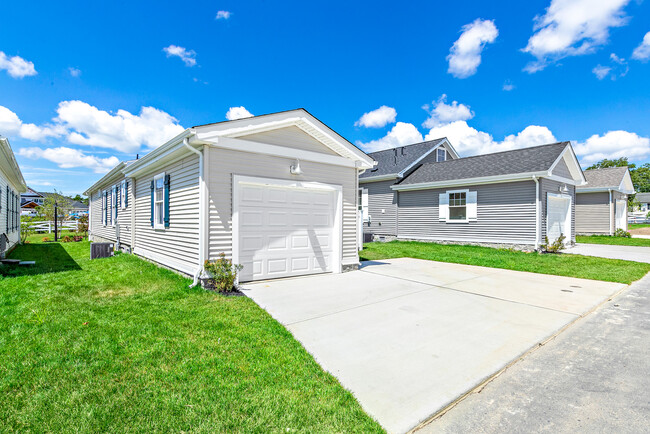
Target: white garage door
(558,217)
(621,221)
(285,230)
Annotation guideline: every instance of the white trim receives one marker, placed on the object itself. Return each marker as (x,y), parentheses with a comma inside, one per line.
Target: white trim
(165,260)
(464,240)
(106,179)
(378,178)
(438,155)
(442,142)
(237,180)
(538,219)
(156,225)
(600,190)
(611,212)
(577,170)
(123,193)
(450,220)
(569,236)
(470,181)
(563,180)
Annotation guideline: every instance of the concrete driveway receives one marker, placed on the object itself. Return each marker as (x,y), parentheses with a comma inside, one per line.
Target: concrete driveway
(408,337)
(627,253)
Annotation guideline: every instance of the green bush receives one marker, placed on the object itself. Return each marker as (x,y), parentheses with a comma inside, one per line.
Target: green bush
(553,247)
(622,233)
(222,272)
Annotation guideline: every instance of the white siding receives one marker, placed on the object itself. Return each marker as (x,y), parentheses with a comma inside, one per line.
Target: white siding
(381,198)
(12,235)
(108,232)
(177,246)
(224,163)
(292,137)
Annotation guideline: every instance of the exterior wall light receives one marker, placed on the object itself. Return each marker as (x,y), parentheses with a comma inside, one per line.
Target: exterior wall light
(295,168)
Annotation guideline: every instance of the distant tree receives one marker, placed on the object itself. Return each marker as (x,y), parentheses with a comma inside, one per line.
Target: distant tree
(641,178)
(618,162)
(79,198)
(63,203)
(640,175)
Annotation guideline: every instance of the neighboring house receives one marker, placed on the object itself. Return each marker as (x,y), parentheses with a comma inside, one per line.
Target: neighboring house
(378,200)
(514,197)
(276,193)
(30,200)
(12,184)
(644,201)
(601,204)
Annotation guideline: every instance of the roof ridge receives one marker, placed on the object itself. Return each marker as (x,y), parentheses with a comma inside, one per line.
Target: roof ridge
(500,152)
(608,168)
(407,146)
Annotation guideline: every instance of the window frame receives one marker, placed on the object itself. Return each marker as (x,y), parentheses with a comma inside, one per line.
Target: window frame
(104,199)
(450,206)
(161,225)
(123,194)
(109,209)
(364,209)
(438,160)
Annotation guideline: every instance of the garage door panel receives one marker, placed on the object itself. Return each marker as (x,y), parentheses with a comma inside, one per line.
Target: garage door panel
(285,231)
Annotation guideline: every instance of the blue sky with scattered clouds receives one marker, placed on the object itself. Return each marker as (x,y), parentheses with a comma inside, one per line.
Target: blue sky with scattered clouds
(84,85)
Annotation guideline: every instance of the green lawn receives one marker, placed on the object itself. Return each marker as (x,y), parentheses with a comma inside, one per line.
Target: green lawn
(611,270)
(617,241)
(631,226)
(120,345)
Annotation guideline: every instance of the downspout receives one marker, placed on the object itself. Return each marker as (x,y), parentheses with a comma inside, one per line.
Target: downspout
(537,216)
(201,213)
(610,212)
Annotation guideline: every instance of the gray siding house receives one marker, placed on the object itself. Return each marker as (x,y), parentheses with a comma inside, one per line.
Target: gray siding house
(601,204)
(514,197)
(276,193)
(12,184)
(378,199)
(644,201)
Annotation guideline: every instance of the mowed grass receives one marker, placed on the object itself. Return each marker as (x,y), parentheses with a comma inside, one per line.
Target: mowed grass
(631,226)
(614,241)
(586,267)
(121,345)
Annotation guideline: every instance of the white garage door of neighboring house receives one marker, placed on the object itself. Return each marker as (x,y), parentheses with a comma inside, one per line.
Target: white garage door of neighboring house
(558,216)
(285,228)
(621,221)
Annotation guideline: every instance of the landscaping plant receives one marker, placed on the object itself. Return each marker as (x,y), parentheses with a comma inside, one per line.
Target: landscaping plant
(622,233)
(82,226)
(26,229)
(222,273)
(554,247)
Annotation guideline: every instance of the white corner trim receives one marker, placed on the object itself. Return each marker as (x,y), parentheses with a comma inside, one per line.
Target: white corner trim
(470,181)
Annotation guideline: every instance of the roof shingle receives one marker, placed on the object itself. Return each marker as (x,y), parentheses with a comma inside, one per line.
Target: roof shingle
(393,161)
(609,177)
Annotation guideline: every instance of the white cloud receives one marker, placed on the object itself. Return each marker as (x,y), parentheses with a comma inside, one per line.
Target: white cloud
(235,113)
(400,135)
(187,56)
(378,118)
(223,15)
(443,113)
(470,141)
(75,72)
(16,66)
(465,55)
(68,158)
(613,144)
(123,131)
(571,28)
(508,86)
(642,52)
(11,125)
(601,71)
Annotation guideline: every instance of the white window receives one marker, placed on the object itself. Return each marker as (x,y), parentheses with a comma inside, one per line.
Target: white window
(159,202)
(363,204)
(116,202)
(104,206)
(457,206)
(123,193)
(441,154)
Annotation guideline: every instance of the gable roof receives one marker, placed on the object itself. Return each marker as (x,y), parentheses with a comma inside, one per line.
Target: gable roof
(609,178)
(9,166)
(643,197)
(533,161)
(391,162)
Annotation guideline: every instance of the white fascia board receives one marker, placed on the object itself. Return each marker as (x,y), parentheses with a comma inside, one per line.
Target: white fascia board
(377,178)
(274,150)
(572,164)
(626,186)
(450,148)
(471,181)
(563,179)
(106,179)
(12,165)
(152,157)
(410,166)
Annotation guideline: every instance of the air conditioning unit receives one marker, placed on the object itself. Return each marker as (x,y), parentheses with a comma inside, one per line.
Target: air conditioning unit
(101,250)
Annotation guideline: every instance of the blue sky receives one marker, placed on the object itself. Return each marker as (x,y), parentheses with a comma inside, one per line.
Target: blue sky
(83,85)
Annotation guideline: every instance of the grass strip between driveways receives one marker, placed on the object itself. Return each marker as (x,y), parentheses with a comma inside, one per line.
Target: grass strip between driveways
(121,345)
(586,267)
(613,241)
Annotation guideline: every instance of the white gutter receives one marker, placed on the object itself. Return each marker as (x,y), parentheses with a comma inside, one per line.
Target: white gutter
(471,181)
(537,216)
(378,178)
(202,225)
(610,212)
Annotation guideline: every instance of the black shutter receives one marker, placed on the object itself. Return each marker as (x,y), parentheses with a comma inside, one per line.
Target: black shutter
(116,199)
(166,202)
(152,188)
(7,222)
(126,194)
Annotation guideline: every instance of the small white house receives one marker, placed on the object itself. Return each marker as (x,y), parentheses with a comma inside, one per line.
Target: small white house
(12,184)
(276,193)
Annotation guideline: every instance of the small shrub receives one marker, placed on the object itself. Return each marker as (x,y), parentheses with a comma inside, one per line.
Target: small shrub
(222,273)
(77,238)
(66,239)
(622,233)
(554,247)
(45,239)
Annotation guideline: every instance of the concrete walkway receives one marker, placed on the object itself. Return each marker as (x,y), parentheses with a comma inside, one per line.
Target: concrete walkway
(627,253)
(408,336)
(593,378)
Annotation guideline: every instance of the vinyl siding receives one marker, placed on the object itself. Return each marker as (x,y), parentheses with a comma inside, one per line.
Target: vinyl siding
(550,186)
(292,137)
(593,213)
(176,246)
(123,222)
(12,235)
(562,170)
(222,164)
(381,197)
(505,214)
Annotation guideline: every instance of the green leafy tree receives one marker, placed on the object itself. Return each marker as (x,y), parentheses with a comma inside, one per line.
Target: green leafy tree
(63,203)
(618,162)
(79,198)
(640,175)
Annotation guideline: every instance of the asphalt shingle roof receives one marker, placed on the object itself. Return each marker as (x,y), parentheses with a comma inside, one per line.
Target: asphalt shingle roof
(393,161)
(609,177)
(534,159)
(643,197)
